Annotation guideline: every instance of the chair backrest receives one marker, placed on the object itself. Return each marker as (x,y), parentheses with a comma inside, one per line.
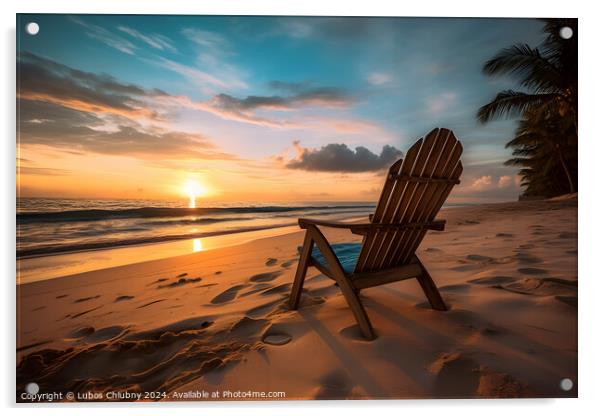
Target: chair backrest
(415,189)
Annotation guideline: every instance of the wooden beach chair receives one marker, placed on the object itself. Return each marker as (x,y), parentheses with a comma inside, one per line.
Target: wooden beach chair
(414,191)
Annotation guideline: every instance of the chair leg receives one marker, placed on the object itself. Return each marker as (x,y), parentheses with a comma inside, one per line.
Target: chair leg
(430,289)
(352,298)
(308,244)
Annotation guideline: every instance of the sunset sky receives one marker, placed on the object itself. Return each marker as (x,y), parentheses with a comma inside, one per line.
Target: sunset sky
(255,109)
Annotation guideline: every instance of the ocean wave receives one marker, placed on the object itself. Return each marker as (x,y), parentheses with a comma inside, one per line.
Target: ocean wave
(151,212)
(98,245)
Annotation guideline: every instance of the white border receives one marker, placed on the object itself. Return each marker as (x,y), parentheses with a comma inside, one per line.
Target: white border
(589,204)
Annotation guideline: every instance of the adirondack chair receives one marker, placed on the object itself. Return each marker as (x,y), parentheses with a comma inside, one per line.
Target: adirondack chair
(414,191)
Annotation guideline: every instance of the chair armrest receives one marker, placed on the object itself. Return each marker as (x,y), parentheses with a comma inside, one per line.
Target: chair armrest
(305,222)
(364,228)
(436,225)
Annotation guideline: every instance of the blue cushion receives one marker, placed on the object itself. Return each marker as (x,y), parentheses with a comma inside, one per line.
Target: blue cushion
(347,254)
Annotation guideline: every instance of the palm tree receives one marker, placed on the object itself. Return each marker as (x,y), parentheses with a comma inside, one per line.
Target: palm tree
(546,138)
(549,73)
(546,146)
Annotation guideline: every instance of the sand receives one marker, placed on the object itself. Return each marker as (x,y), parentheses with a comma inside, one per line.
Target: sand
(217,321)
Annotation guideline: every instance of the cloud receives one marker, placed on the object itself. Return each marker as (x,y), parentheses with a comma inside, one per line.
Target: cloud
(210,40)
(29,170)
(482,183)
(243,109)
(153,40)
(504,181)
(46,80)
(65,108)
(213,52)
(75,130)
(106,36)
(202,79)
(379,78)
(340,158)
(315,97)
(487,182)
(441,103)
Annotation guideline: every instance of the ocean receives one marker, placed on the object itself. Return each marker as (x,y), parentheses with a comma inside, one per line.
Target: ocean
(57,226)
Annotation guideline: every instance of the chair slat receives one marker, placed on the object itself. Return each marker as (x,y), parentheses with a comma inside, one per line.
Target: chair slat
(388,202)
(414,191)
(403,191)
(436,206)
(405,212)
(431,201)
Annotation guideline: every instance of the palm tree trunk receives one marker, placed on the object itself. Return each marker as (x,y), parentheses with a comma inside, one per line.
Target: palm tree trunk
(566,171)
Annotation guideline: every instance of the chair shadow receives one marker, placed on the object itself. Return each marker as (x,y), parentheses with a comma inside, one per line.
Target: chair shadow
(350,363)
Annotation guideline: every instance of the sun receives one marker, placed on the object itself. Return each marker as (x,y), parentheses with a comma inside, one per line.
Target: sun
(193,189)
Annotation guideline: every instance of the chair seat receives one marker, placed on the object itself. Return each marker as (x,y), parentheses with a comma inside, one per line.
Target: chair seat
(347,253)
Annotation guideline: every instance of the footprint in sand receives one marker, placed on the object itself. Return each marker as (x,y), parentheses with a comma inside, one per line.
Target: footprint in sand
(61,296)
(532,271)
(472,262)
(504,235)
(567,235)
(285,287)
(277,339)
(256,288)
(180,282)
(433,250)
(307,301)
(218,272)
(335,385)
(455,288)
(569,300)
(525,258)
(271,261)
(123,298)
(287,264)
(265,277)
(227,295)
(248,328)
(477,258)
(86,299)
(150,303)
(542,287)
(494,280)
(456,376)
(81,332)
(105,334)
(208,285)
(77,315)
(264,309)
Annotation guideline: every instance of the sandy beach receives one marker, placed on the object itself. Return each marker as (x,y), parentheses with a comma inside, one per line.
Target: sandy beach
(217,320)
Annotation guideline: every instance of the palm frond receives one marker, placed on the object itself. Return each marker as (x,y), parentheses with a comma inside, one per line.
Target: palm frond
(512,103)
(533,70)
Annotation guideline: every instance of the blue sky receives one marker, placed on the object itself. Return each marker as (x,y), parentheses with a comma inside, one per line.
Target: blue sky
(262,92)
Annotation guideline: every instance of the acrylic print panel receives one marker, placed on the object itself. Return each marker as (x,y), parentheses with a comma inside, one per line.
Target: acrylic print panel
(286,208)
